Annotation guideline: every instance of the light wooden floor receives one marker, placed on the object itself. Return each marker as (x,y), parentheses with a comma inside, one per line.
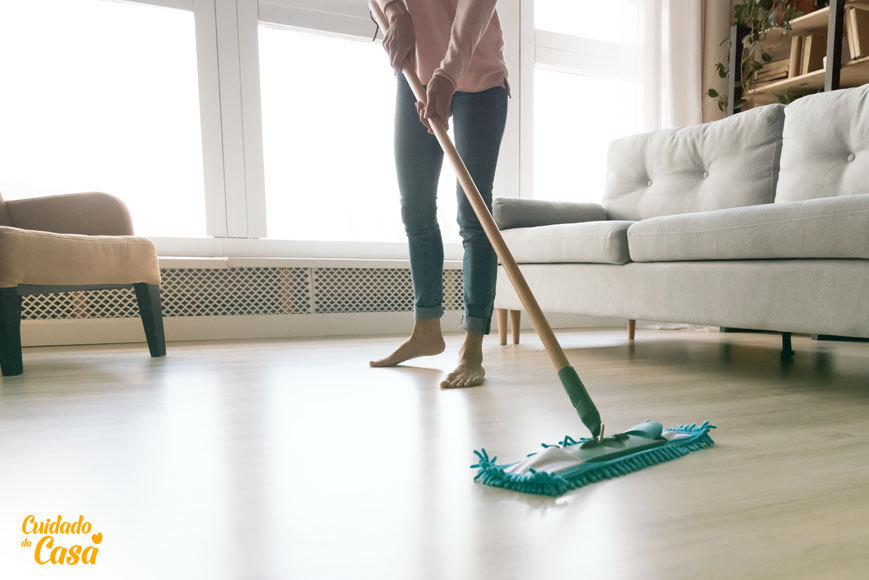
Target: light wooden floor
(293,459)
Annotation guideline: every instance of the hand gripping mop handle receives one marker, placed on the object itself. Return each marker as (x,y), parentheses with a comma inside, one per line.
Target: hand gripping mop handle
(579,396)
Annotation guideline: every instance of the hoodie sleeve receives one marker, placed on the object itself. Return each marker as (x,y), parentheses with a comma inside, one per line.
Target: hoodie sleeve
(385,3)
(470,24)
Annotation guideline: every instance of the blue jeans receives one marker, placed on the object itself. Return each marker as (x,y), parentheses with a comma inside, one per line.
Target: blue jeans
(478,121)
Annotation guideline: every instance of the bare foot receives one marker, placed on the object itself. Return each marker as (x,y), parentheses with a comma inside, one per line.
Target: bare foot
(469,372)
(425,340)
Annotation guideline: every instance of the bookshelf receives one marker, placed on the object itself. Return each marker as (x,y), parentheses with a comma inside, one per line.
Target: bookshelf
(816,21)
(836,74)
(853,74)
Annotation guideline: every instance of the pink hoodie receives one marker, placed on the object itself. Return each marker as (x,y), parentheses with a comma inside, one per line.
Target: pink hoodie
(460,40)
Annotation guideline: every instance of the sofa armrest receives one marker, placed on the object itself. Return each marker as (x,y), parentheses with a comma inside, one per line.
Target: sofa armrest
(89,214)
(513,212)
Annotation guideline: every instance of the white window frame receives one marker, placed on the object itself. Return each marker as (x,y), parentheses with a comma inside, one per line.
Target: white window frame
(227,52)
(329,19)
(569,54)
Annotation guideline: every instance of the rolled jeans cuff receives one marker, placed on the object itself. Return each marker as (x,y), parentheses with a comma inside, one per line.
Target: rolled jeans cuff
(474,324)
(420,313)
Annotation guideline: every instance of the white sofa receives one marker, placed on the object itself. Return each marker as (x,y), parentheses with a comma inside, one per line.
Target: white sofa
(757,221)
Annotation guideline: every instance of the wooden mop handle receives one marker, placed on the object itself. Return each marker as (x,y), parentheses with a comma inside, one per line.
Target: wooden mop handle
(559,359)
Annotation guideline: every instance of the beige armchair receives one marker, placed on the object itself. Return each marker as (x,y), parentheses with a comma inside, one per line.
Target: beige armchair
(73,242)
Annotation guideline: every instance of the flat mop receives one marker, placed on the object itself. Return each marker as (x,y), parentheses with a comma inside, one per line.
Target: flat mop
(572,463)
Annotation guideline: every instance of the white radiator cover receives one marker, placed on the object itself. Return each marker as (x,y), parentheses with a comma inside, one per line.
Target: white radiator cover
(246,298)
(251,291)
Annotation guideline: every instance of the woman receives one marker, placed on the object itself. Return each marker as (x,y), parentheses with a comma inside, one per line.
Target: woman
(456,47)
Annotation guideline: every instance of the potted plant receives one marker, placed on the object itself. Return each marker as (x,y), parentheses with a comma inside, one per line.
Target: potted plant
(757,18)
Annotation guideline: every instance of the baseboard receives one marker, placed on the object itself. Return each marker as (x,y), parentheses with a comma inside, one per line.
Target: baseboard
(129,330)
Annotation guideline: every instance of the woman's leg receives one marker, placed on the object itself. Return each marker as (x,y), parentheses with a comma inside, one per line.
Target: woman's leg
(478,120)
(418,160)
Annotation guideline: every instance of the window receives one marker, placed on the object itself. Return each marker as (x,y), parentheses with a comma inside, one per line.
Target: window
(575,118)
(611,21)
(328,106)
(586,93)
(102,96)
(227,118)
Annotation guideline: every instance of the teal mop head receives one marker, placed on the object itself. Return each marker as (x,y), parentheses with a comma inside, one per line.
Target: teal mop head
(572,464)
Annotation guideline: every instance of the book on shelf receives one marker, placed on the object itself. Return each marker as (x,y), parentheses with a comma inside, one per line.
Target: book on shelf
(814,51)
(796,57)
(849,33)
(772,77)
(774,70)
(857,30)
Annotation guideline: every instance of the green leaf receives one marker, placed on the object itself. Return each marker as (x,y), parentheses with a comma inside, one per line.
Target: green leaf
(756,65)
(766,57)
(712,93)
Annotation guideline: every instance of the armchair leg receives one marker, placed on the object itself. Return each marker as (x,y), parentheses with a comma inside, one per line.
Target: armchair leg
(501,317)
(10,332)
(151,310)
(515,320)
(632,329)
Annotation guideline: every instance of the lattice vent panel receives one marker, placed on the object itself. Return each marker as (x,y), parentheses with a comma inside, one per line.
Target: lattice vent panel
(251,291)
(235,291)
(375,290)
(362,290)
(115,303)
(453,290)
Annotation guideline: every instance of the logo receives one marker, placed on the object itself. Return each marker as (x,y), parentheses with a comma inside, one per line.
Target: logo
(61,542)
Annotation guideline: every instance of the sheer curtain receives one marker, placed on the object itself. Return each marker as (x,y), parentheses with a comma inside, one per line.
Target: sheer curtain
(671,62)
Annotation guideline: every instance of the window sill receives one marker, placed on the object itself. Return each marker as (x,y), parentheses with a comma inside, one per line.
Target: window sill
(272,251)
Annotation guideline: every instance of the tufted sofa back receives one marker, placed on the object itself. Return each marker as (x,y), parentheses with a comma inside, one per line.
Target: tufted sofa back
(825,146)
(728,163)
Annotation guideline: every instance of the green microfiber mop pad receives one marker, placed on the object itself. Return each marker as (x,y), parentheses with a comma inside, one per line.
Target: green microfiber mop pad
(574,463)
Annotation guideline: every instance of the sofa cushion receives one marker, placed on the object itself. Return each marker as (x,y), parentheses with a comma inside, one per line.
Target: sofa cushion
(819,228)
(515,212)
(602,242)
(825,146)
(48,259)
(812,296)
(728,163)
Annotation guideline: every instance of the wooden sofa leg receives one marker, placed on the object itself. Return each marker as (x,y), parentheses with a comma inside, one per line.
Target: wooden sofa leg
(10,332)
(501,317)
(515,321)
(632,329)
(151,310)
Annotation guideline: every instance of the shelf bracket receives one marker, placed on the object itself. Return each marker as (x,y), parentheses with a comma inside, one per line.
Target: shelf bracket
(734,79)
(833,69)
